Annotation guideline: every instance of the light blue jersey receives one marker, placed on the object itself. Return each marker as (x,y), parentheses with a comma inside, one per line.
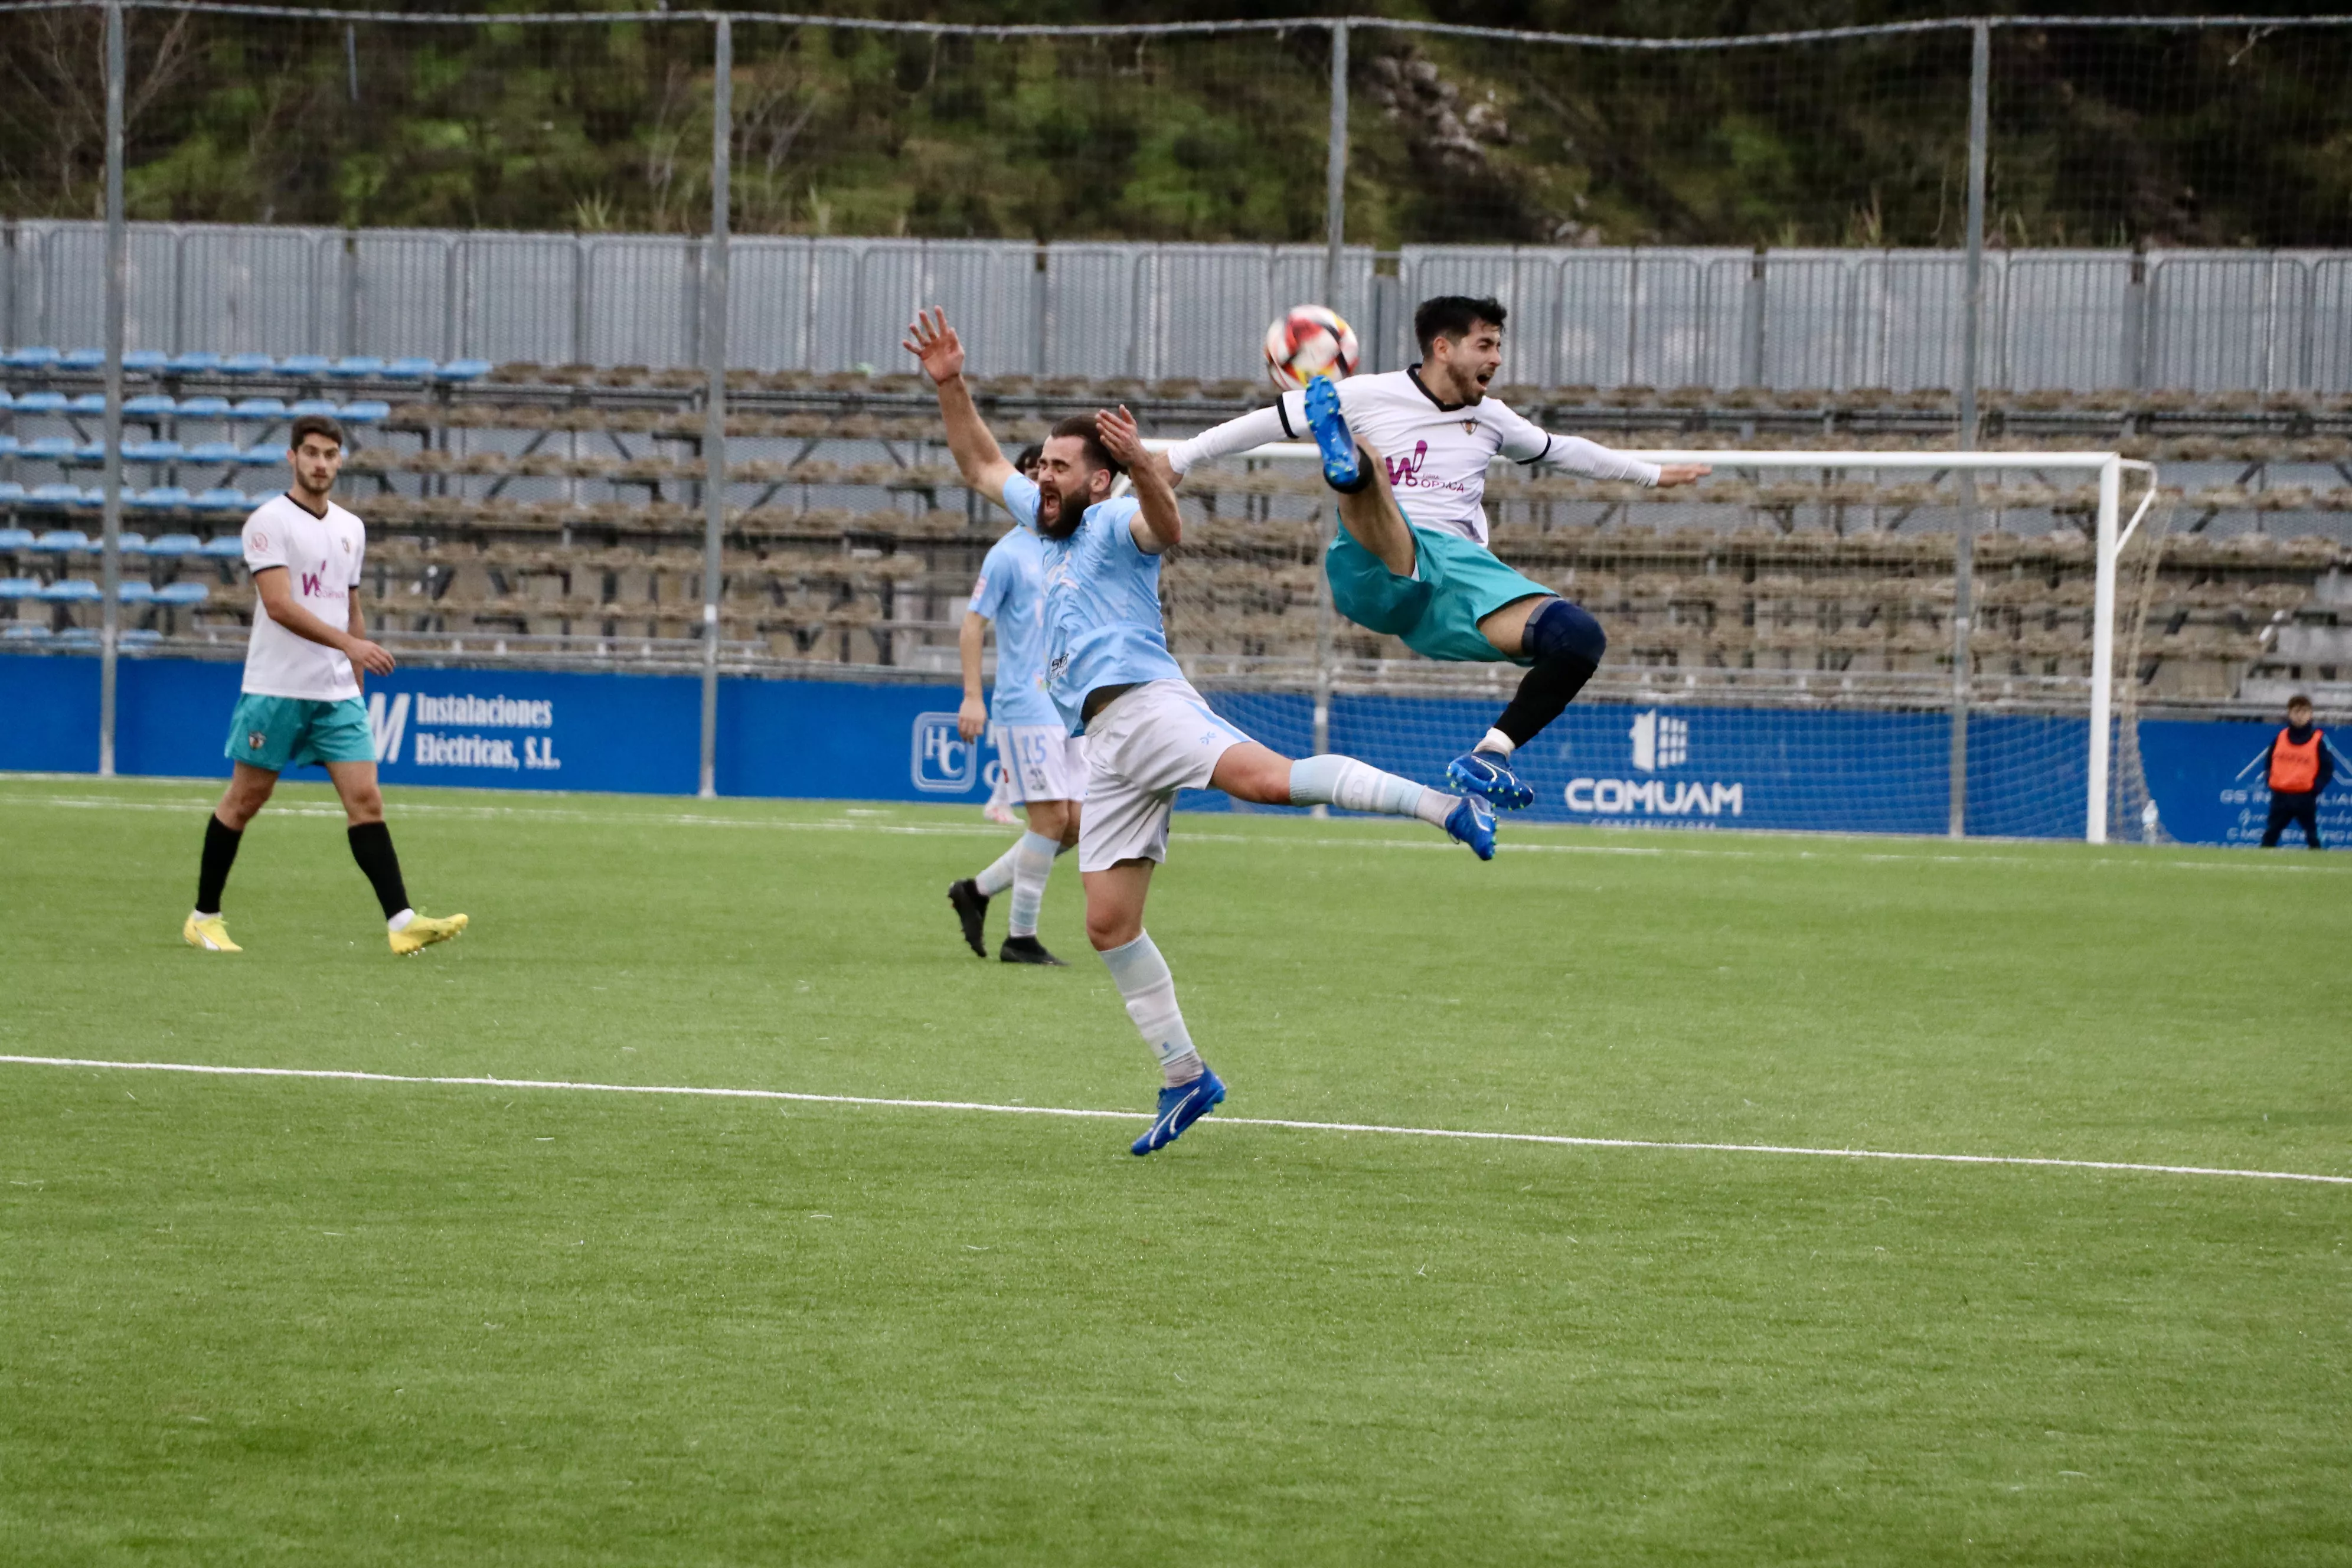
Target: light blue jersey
(1012,593)
(1102,604)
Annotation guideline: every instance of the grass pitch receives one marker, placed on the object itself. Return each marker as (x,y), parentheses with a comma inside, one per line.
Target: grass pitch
(291,1320)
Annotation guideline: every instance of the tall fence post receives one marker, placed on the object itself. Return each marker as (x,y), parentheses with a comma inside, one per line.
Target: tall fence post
(117,280)
(1335,246)
(714,410)
(1964,544)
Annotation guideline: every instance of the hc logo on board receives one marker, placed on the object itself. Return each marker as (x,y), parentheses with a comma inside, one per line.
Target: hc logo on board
(1660,741)
(944,762)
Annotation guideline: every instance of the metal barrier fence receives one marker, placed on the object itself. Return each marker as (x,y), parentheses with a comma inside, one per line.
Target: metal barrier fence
(2054,320)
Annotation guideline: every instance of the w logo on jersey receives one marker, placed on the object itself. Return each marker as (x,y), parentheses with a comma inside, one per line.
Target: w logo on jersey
(1403,471)
(312,582)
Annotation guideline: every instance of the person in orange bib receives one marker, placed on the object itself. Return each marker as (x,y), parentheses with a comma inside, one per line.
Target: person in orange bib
(2300,764)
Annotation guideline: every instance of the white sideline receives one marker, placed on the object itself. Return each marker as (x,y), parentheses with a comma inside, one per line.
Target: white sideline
(1558,1139)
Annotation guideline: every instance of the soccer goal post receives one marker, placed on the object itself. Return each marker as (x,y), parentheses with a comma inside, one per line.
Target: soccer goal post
(1818,586)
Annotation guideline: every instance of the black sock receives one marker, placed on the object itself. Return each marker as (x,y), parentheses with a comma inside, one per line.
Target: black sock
(220,853)
(372,847)
(1363,476)
(1567,644)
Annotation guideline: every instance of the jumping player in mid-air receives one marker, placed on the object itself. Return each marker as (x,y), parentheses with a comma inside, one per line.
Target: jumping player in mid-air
(1412,558)
(1149,734)
(1041,764)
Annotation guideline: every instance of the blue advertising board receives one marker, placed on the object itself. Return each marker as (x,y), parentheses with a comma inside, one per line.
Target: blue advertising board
(1660,765)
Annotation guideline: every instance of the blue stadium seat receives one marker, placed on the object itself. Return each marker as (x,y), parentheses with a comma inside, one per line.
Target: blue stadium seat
(7,446)
(42,402)
(132,543)
(19,588)
(182,593)
(260,457)
(196,363)
(203,408)
(62,541)
(257,409)
(82,359)
(49,448)
(26,633)
(30,358)
(162,497)
(215,452)
(72,591)
(167,545)
(221,497)
(145,362)
(53,496)
(138,636)
(6,402)
(463,370)
(408,369)
(355,366)
(149,405)
(87,403)
(90,454)
(79,636)
(151,451)
(134,591)
(248,365)
(306,365)
(365,411)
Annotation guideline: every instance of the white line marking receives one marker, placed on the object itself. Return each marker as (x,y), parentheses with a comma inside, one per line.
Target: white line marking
(1558,1139)
(2124,857)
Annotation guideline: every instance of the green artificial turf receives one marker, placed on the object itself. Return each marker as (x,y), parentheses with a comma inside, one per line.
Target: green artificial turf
(268,1320)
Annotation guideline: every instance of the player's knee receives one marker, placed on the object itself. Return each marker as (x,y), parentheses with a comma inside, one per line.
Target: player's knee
(363,806)
(1106,929)
(1564,629)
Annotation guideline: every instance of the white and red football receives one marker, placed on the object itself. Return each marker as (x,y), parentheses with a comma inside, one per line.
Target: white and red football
(1308,342)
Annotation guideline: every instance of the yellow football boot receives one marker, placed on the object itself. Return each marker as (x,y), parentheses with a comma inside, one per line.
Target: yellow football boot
(424,930)
(209,933)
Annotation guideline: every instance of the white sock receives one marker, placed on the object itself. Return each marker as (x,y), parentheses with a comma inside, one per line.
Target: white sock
(1496,740)
(1352,785)
(999,875)
(1033,861)
(400,922)
(1142,977)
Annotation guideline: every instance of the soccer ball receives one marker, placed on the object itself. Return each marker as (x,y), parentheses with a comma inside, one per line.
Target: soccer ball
(1308,342)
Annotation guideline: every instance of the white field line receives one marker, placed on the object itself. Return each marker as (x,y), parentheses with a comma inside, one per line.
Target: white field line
(1557,1140)
(2258,865)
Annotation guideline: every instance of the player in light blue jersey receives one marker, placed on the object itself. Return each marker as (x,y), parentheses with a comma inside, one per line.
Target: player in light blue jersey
(1042,764)
(1149,734)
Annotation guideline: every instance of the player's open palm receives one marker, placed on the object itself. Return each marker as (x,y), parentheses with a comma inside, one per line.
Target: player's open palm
(930,340)
(1121,437)
(1682,474)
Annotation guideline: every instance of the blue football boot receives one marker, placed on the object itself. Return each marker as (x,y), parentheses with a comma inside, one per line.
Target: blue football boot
(1489,774)
(1471,822)
(1180,1107)
(1342,466)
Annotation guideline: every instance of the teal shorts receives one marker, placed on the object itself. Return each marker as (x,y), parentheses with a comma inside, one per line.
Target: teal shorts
(1454,585)
(281,733)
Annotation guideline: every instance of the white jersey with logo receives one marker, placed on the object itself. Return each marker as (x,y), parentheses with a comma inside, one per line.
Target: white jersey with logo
(1436,453)
(321,556)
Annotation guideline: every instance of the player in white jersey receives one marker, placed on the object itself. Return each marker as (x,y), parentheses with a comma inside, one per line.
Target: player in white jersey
(301,701)
(1042,764)
(1149,734)
(1412,558)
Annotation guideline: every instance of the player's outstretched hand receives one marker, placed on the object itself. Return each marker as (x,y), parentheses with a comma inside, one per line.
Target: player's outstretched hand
(1682,474)
(972,719)
(930,340)
(373,657)
(1122,437)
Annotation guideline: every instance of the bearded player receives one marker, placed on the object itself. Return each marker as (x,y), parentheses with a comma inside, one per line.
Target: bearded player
(1408,453)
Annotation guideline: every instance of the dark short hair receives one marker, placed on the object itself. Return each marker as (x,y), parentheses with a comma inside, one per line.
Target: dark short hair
(1082,426)
(1028,459)
(1452,316)
(2299,700)
(314,425)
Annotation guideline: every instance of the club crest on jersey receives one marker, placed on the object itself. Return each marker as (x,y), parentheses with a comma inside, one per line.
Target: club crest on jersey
(1469,427)
(260,539)
(253,741)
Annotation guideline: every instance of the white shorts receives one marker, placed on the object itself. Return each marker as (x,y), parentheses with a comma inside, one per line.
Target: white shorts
(1041,761)
(1146,745)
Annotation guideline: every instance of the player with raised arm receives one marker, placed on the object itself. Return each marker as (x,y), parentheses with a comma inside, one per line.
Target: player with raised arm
(302,698)
(1041,764)
(1412,558)
(1149,734)
(999,808)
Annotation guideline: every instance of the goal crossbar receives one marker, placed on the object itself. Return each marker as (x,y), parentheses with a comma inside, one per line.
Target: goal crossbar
(2112,533)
